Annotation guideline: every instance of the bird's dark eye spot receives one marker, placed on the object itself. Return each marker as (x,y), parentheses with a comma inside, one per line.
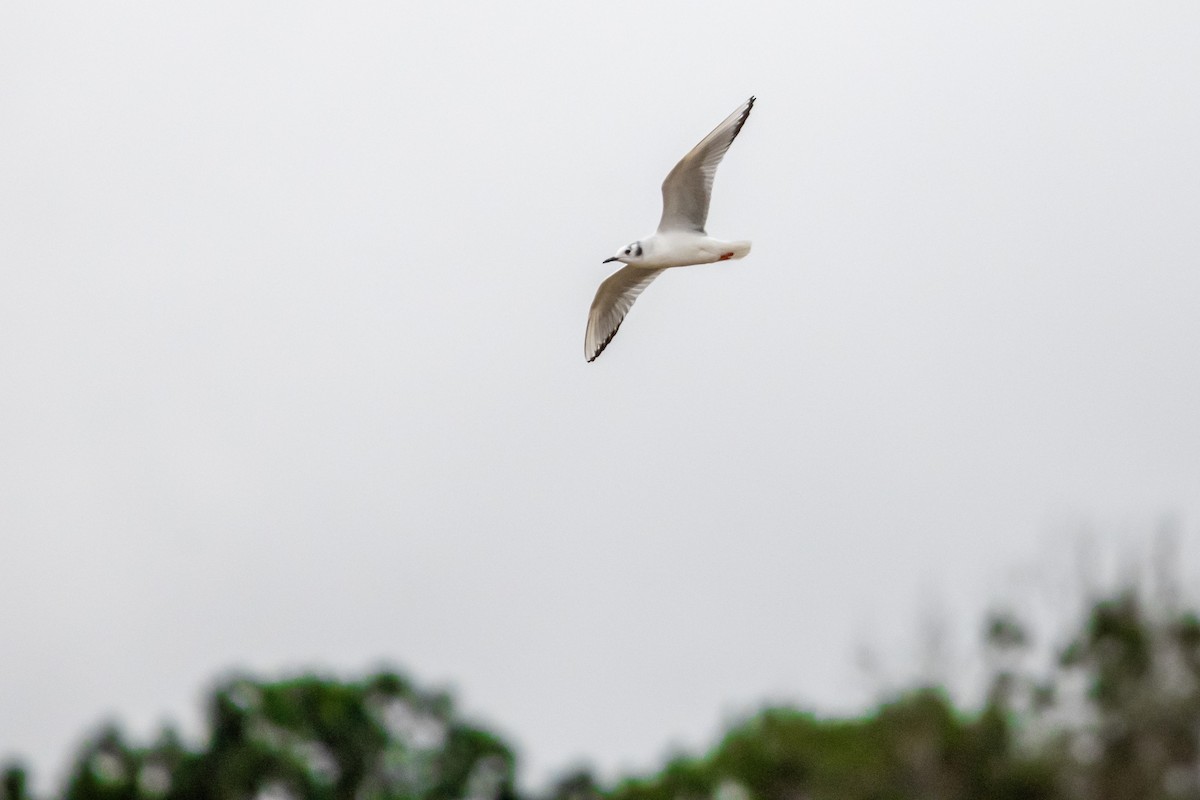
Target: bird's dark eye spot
(626,251)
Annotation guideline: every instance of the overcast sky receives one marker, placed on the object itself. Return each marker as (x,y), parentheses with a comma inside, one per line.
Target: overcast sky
(292,303)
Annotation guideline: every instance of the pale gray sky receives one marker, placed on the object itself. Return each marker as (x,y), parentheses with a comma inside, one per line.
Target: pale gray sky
(292,299)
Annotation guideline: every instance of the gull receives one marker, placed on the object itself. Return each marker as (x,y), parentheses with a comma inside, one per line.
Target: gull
(680,240)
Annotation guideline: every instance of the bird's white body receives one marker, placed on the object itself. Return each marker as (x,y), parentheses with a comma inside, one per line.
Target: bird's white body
(680,240)
(679,248)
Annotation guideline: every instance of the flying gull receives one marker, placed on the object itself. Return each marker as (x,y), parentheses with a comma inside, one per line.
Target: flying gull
(680,240)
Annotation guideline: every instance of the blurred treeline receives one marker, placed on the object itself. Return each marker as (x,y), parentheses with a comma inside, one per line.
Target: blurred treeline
(1112,712)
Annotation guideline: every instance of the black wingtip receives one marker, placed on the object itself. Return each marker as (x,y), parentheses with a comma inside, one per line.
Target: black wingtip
(604,344)
(742,119)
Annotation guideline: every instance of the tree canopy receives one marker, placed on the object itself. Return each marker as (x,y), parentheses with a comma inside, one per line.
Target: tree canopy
(1117,715)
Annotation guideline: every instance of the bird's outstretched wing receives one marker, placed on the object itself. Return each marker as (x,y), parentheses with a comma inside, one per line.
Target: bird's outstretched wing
(688,186)
(613,300)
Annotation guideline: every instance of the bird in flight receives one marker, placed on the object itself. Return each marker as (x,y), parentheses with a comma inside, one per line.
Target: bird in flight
(680,240)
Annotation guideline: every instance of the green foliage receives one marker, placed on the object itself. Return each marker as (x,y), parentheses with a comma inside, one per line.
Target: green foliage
(307,738)
(14,783)
(1142,737)
(915,747)
(1118,716)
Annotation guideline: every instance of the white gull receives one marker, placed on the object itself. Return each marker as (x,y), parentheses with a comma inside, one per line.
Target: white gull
(680,240)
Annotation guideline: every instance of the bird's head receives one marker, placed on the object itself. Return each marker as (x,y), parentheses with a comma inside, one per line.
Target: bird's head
(629,254)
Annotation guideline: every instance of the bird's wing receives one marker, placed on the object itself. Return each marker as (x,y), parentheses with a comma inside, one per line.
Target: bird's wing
(688,187)
(613,300)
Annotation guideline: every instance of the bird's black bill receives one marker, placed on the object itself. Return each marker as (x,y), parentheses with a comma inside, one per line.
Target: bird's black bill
(605,261)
